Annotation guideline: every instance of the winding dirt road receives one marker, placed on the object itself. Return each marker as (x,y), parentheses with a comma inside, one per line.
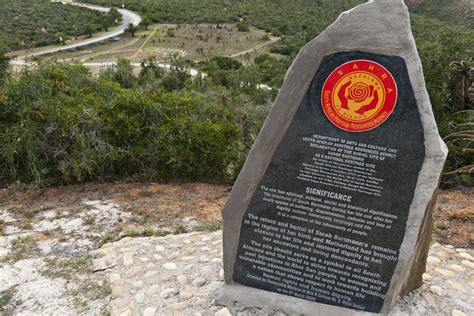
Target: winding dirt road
(127,16)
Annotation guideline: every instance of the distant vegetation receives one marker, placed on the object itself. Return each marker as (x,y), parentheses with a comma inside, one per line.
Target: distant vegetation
(61,124)
(457,12)
(24,23)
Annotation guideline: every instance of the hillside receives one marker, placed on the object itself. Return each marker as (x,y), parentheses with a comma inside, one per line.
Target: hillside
(458,12)
(25,23)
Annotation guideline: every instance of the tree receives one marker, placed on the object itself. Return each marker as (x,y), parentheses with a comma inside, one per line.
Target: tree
(104,24)
(62,38)
(463,71)
(145,23)
(179,68)
(116,16)
(89,29)
(131,29)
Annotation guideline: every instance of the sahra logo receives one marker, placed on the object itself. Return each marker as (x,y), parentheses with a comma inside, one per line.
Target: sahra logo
(359,95)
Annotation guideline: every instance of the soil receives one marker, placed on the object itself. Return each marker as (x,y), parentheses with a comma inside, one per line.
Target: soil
(454,217)
(153,204)
(166,205)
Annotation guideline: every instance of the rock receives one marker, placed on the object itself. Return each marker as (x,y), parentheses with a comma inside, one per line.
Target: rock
(157,257)
(200,301)
(121,303)
(214,285)
(188,251)
(166,278)
(152,290)
(103,264)
(133,271)
(117,291)
(221,274)
(437,290)
(149,311)
(4,252)
(182,280)
(457,312)
(143,259)
(444,272)
(177,306)
(137,285)
(216,260)
(140,298)
(160,248)
(468,264)
(167,293)
(128,259)
(127,312)
(427,277)
(465,255)
(223,312)
(198,282)
(455,286)
(433,260)
(150,275)
(185,295)
(442,255)
(170,266)
(456,268)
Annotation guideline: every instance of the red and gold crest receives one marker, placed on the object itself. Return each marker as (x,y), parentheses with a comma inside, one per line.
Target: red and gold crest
(359,95)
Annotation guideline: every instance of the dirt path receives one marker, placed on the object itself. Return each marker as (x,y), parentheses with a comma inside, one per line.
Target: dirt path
(251,50)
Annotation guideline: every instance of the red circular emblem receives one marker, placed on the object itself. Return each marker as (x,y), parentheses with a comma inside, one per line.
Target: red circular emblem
(359,95)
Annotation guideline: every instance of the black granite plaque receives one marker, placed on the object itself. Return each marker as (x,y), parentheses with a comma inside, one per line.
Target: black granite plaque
(327,219)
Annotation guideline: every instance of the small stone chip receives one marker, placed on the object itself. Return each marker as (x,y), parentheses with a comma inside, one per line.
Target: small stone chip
(427,277)
(433,260)
(456,268)
(160,248)
(185,295)
(149,311)
(170,266)
(152,290)
(117,291)
(177,306)
(442,254)
(182,280)
(468,264)
(140,298)
(198,282)
(437,290)
(465,255)
(167,293)
(457,312)
(128,312)
(444,272)
(223,312)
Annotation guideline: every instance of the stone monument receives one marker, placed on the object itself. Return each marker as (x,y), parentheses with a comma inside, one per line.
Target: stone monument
(331,214)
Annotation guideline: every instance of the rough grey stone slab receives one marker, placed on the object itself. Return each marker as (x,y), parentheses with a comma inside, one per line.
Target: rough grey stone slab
(378,27)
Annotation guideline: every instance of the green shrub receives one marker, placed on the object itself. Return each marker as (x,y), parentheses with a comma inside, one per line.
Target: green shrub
(60,124)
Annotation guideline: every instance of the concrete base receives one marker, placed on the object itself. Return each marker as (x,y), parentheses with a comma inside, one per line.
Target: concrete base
(271,302)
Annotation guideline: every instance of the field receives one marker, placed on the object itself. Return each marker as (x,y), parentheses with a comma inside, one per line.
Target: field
(194,41)
(28,23)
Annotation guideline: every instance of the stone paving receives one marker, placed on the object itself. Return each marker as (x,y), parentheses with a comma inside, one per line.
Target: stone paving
(182,275)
